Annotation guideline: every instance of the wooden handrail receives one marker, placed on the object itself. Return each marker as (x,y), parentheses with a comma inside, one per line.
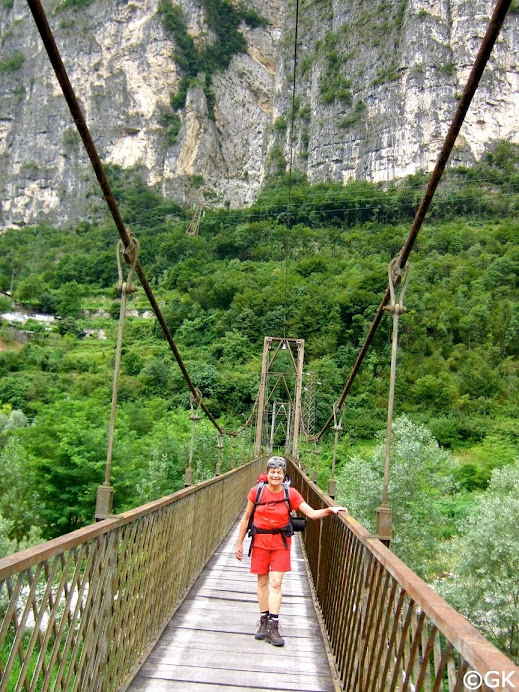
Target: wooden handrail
(392,613)
(23,559)
(79,612)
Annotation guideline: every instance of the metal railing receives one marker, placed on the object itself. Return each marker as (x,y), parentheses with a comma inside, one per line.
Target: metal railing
(388,630)
(80,612)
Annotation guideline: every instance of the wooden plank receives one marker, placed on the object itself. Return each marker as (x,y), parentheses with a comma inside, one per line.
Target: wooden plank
(224,590)
(157,685)
(269,681)
(184,640)
(207,604)
(213,607)
(250,598)
(237,660)
(234,621)
(209,643)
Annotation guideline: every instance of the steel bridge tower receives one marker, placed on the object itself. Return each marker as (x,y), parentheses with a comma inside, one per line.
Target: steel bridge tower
(279,398)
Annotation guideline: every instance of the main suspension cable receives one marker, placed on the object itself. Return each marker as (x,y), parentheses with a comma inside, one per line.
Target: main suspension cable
(290,165)
(75,109)
(478,68)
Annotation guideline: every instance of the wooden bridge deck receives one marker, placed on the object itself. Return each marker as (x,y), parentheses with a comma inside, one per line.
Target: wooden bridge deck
(209,644)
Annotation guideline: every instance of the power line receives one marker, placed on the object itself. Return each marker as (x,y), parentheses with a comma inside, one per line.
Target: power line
(141,217)
(239,215)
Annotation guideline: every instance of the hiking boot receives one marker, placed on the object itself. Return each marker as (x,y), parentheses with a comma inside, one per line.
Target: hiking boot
(263,622)
(272,634)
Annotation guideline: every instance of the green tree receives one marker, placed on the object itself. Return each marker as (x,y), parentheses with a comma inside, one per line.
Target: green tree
(437,391)
(30,290)
(156,376)
(418,480)
(71,294)
(233,347)
(168,455)
(69,325)
(483,583)
(6,304)
(20,500)
(66,446)
(7,545)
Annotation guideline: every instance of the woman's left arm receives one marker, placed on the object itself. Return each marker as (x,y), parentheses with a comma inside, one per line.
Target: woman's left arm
(319,513)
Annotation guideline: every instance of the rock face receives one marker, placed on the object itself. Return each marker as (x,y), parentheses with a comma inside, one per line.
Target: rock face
(376,87)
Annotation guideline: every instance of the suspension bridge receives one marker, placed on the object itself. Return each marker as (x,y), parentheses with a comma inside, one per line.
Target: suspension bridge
(127,604)
(153,599)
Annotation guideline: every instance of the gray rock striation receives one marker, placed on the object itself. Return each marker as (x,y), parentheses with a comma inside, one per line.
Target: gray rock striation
(376,87)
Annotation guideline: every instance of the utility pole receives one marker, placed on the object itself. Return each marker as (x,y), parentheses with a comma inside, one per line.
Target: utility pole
(197,213)
(309,404)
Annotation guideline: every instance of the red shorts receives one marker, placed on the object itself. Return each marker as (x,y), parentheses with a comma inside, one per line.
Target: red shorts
(264,561)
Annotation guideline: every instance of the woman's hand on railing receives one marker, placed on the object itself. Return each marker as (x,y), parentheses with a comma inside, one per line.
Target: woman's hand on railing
(336,510)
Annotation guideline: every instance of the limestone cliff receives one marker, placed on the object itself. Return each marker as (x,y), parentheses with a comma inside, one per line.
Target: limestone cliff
(376,87)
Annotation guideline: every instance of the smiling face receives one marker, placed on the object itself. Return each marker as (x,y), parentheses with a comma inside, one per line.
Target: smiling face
(275,476)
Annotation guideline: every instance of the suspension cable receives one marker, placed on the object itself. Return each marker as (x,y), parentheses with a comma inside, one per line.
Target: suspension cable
(125,288)
(105,492)
(290,165)
(75,109)
(195,401)
(478,68)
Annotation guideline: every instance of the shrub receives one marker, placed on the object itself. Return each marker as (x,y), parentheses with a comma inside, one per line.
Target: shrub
(74,4)
(13,63)
(6,304)
(354,117)
(224,19)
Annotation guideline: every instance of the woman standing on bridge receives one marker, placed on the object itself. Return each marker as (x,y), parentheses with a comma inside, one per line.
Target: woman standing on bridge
(271,545)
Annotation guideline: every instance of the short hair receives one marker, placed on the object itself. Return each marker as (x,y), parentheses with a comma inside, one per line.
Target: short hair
(276,463)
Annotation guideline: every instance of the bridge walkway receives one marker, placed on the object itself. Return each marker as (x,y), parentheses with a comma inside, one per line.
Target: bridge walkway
(209,644)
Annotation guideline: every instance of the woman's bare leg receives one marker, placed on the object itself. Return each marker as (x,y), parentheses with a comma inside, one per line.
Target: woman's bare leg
(274,588)
(263,592)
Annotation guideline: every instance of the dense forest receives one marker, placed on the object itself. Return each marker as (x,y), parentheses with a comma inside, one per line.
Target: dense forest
(303,261)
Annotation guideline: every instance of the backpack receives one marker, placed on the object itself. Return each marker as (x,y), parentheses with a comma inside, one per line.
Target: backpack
(288,529)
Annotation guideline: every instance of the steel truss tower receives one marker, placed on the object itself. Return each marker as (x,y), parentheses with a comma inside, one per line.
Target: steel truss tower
(279,398)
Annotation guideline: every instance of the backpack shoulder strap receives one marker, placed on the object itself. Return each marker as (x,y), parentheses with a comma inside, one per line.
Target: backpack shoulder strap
(259,491)
(286,489)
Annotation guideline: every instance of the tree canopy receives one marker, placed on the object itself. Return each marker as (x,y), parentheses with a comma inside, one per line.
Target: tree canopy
(315,269)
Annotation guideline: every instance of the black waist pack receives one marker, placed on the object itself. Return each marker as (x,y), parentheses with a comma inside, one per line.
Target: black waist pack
(298,523)
(285,531)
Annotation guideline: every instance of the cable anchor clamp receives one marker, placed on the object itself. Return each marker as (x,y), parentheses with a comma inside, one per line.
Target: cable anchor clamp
(195,401)
(131,255)
(338,415)
(397,274)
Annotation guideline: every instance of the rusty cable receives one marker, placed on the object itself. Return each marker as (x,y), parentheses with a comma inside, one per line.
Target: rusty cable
(47,37)
(396,309)
(476,73)
(124,287)
(194,400)
(290,169)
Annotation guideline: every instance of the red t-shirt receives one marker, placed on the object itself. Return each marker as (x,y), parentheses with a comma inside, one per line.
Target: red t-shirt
(273,516)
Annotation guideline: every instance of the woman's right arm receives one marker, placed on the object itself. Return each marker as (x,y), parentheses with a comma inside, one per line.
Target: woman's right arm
(243,529)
